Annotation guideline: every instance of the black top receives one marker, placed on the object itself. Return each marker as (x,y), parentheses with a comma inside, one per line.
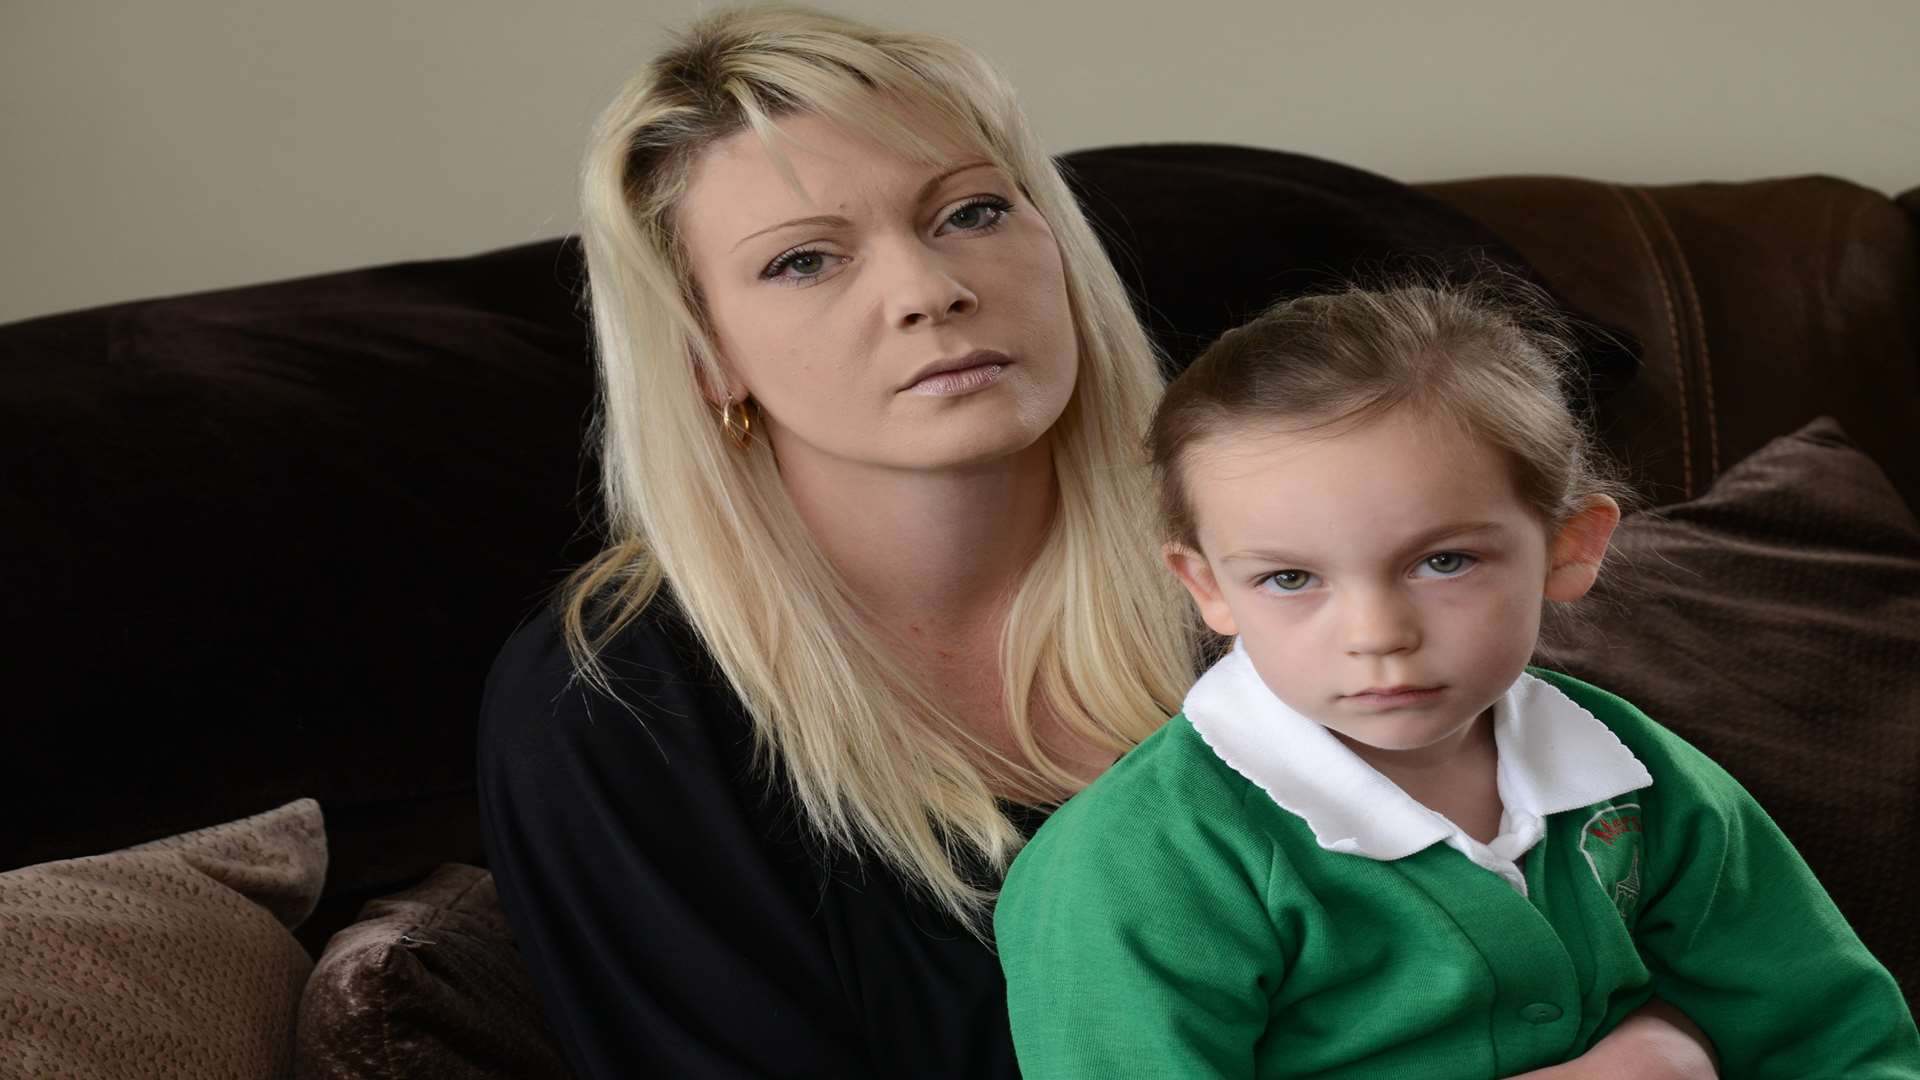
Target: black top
(674,917)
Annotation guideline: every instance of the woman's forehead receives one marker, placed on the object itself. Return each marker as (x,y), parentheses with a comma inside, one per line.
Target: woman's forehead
(810,165)
(792,143)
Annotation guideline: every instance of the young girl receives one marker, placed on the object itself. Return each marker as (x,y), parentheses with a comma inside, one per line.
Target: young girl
(1375,843)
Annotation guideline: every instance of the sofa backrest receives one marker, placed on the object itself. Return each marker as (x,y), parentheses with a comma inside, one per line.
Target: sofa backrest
(1758,306)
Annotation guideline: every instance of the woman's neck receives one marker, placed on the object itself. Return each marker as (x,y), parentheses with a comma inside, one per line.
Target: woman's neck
(930,555)
(935,559)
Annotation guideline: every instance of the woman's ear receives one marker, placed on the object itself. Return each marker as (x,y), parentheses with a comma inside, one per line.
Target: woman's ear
(1578,548)
(718,384)
(1196,574)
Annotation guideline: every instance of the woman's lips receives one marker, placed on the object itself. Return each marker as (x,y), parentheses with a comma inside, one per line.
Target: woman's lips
(961,374)
(964,380)
(1394,697)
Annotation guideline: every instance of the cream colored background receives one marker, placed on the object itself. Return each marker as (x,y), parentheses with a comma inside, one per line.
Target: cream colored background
(162,147)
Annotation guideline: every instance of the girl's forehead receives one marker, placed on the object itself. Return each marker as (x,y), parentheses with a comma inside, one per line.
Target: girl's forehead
(1382,468)
(1385,435)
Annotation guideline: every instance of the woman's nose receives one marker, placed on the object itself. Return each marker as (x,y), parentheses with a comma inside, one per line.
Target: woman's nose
(922,289)
(1380,622)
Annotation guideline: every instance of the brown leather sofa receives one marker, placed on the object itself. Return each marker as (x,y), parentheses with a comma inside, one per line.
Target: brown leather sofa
(261,543)
(1757,306)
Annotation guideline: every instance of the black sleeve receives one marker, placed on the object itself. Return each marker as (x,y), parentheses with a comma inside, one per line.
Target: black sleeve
(664,918)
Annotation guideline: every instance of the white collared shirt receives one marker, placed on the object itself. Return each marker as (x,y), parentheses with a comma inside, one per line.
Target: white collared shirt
(1553,756)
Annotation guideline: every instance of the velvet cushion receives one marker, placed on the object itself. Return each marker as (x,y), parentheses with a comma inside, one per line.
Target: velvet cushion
(169,959)
(1774,622)
(427,983)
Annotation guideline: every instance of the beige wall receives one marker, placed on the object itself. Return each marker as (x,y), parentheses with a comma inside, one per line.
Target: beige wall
(151,148)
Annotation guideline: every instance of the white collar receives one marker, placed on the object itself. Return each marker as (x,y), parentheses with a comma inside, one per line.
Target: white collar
(1562,757)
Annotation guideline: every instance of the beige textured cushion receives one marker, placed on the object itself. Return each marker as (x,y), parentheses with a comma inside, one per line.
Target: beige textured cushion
(169,959)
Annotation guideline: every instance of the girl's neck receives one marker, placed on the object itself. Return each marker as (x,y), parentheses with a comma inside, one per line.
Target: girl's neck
(1457,778)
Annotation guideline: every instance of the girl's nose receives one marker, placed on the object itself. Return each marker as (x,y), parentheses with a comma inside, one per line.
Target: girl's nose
(1380,622)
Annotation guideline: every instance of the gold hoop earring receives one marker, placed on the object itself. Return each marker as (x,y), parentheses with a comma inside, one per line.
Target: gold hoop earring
(737,422)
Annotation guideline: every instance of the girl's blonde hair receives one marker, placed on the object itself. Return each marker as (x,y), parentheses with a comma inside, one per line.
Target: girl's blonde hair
(876,763)
(1490,355)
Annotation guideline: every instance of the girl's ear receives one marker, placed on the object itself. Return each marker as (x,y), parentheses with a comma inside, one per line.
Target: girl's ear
(1579,547)
(1193,571)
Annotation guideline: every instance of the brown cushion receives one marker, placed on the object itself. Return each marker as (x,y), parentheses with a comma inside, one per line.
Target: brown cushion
(1774,622)
(170,959)
(427,983)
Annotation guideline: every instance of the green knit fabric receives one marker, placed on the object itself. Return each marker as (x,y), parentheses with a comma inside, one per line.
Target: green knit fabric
(1172,921)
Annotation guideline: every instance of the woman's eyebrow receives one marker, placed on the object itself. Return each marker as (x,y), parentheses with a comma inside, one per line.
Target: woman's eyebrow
(834,221)
(936,180)
(823,221)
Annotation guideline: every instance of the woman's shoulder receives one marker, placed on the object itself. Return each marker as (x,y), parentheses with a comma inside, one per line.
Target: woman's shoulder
(656,686)
(657,640)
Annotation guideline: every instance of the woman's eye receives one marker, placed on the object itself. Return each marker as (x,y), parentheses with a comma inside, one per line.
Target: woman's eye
(978,214)
(798,266)
(807,263)
(1446,564)
(1286,581)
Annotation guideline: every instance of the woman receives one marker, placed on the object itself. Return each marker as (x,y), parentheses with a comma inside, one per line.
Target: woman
(881,578)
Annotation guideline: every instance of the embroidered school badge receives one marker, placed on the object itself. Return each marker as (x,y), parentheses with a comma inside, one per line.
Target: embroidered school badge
(1610,840)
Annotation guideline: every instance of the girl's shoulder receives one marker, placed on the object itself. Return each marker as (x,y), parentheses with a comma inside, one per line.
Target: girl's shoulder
(1680,771)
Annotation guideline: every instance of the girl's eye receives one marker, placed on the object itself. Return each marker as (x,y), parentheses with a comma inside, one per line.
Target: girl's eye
(1446,564)
(798,267)
(978,214)
(1286,581)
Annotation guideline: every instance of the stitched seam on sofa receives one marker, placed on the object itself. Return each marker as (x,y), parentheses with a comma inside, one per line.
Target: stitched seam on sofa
(1699,323)
(1673,331)
(407,942)
(440,911)
(385,1009)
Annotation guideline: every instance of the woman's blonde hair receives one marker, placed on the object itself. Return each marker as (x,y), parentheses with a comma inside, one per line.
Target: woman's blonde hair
(876,763)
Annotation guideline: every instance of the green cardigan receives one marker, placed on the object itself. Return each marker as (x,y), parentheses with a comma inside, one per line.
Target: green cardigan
(1173,921)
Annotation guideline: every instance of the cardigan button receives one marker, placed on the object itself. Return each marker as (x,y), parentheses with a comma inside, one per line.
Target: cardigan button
(1540,1012)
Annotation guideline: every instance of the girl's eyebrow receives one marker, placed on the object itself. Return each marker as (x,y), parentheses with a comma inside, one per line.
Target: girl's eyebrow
(834,221)
(1264,555)
(1448,532)
(1426,538)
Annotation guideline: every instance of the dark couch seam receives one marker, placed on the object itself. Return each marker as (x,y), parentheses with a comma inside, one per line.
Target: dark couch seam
(1673,332)
(442,910)
(1699,324)
(390,1064)
(386,1013)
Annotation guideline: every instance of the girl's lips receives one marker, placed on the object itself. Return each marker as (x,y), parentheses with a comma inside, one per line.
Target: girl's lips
(1395,697)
